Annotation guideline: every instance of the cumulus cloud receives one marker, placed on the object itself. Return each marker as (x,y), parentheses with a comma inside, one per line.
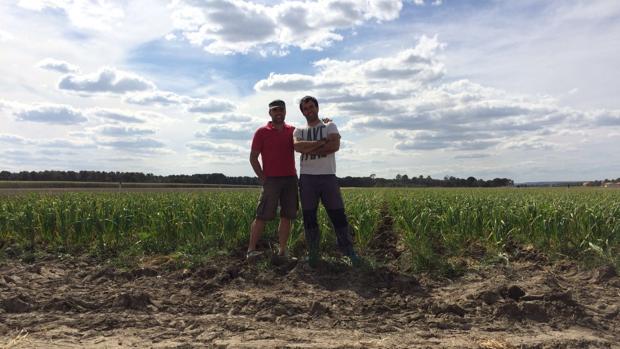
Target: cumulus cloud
(210,105)
(161,98)
(530,144)
(6,36)
(286,82)
(405,92)
(396,76)
(432,140)
(107,80)
(119,116)
(51,114)
(60,143)
(137,144)
(225,118)
(233,132)
(57,65)
(216,148)
(121,131)
(13,139)
(471,156)
(88,14)
(607,118)
(239,26)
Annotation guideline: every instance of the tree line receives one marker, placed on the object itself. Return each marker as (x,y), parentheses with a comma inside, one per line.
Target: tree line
(219,178)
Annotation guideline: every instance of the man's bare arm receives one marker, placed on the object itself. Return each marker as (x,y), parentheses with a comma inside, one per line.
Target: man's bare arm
(256,166)
(305,147)
(331,146)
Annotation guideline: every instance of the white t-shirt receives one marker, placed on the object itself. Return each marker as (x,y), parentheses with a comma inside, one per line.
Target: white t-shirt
(316,164)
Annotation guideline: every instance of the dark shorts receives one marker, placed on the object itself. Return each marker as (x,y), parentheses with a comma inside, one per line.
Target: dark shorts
(313,188)
(276,190)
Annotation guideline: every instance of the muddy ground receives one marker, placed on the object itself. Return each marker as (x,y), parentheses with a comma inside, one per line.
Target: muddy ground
(527,303)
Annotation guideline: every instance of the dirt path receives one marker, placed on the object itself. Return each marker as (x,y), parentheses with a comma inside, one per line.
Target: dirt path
(529,304)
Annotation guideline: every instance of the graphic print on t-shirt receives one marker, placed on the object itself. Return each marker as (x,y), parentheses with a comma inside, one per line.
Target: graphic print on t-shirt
(316,164)
(312,134)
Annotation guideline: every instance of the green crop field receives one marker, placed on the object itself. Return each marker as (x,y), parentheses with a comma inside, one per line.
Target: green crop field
(436,229)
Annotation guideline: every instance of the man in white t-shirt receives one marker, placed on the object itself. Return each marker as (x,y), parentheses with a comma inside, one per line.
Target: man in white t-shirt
(318,142)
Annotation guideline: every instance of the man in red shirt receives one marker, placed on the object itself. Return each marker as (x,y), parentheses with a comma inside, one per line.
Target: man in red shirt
(274,143)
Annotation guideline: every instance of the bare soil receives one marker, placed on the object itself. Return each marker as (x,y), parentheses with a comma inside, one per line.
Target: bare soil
(529,303)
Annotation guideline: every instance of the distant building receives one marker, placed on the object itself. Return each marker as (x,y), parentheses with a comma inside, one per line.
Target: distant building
(611,185)
(587,184)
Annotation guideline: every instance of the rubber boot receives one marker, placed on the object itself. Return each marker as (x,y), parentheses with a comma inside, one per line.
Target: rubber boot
(313,239)
(345,245)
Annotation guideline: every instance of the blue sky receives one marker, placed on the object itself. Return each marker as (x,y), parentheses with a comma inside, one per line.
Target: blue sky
(520,89)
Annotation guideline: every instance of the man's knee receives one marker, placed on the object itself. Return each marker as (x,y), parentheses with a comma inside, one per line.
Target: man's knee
(310,219)
(338,218)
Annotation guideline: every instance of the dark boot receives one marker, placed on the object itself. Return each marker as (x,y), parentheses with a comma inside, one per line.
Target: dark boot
(313,239)
(345,245)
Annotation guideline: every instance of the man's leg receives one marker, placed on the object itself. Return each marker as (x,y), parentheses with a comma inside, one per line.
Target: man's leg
(309,205)
(289,205)
(284,230)
(334,205)
(265,211)
(256,230)
(342,230)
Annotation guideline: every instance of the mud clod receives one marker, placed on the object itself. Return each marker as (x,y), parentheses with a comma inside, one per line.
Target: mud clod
(231,303)
(605,273)
(135,301)
(489,297)
(318,309)
(448,309)
(534,311)
(143,272)
(513,292)
(18,304)
(509,310)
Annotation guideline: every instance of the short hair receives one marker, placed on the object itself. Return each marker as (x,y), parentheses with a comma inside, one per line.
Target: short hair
(306,99)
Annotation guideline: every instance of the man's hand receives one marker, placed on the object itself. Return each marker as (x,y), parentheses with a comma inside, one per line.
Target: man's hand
(326,120)
(257,167)
(305,147)
(331,145)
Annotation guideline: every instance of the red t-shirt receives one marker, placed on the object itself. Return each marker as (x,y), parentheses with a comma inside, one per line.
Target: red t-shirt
(276,150)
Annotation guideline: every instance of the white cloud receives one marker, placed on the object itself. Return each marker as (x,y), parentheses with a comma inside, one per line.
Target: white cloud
(161,98)
(530,144)
(401,74)
(64,143)
(137,144)
(232,132)
(286,82)
(607,118)
(107,80)
(238,26)
(471,156)
(6,36)
(85,14)
(477,99)
(13,139)
(405,92)
(57,65)
(122,131)
(118,115)
(51,114)
(210,105)
(225,118)
(216,148)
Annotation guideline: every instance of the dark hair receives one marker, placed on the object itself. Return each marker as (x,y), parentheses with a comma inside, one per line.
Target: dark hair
(306,99)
